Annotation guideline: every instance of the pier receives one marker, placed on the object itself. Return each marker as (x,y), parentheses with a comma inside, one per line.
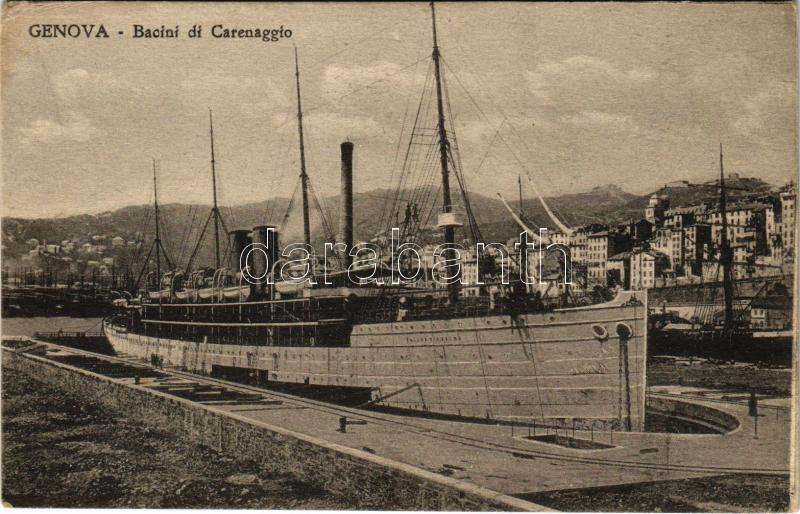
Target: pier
(418,463)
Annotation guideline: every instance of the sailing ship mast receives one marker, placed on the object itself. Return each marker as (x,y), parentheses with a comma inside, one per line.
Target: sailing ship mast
(726,254)
(215,208)
(303,174)
(157,242)
(447,204)
(157,245)
(523,251)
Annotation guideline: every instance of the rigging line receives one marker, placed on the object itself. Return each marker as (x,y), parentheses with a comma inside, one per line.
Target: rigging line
(138,250)
(400,140)
(422,114)
(421,193)
(269,210)
(563,227)
(165,242)
(475,103)
(414,174)
(290,205)
(489,149)
(418,225)
(188,233)
(418,169)
(326,227)
(428,174)
(199,242)
(182,242)
(423,177)
(409,155)
(455,157)
(427,170)
(474,228)
(434,205)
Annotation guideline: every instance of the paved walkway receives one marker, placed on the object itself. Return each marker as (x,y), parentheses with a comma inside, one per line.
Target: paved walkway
(501,458)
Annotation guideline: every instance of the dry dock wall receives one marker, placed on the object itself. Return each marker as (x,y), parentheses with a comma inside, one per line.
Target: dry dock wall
(369,479)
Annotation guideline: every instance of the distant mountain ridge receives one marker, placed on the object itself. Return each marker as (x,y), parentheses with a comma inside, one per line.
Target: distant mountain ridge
(182,223)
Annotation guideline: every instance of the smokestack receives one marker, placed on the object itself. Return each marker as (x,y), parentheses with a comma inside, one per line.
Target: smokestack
(269,238)
(346,207)
(239,239)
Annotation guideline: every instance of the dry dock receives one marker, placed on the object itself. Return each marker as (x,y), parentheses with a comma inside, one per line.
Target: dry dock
(418,463)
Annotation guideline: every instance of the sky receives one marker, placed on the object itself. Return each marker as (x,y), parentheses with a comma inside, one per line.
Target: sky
(572,95)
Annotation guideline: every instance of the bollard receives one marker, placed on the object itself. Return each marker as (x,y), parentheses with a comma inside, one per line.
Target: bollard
(755,434)
(512,429)
(573,428)
(591,431)
(136,379)
(534,429)
(752,408)
(343,424)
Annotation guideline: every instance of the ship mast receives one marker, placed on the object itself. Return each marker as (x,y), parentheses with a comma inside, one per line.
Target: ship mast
(726,254)
(523,252)
(303,174)
(447,204)
(157,245)
(158,233)
(215,208)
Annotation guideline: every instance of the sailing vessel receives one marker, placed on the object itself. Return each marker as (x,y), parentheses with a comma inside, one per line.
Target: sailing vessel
(507,357)
(718,331)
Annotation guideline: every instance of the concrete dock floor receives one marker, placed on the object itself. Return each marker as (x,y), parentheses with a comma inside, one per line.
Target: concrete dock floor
(501,458)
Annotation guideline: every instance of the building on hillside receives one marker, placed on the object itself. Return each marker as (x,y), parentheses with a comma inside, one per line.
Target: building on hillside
(645,267)
(656,206)
(600,246)
(744,220)
(772,218)
(675,184)
(771,313)
(788,220)
(639,231)
(578,247)
(697,242)
(680,217)
(619,270)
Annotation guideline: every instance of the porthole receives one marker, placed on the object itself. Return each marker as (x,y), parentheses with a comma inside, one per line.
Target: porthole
(600,333)
(624,331)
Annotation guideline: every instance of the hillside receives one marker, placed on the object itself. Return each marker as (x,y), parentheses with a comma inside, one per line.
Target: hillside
(182,223)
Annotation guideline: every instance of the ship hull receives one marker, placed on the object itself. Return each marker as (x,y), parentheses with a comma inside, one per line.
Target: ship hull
(568,365)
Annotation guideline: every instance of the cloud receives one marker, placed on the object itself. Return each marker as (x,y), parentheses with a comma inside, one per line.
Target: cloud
(74,128)
(339,80)
(601,119)
(583,76)
(78,84)
(236,92)
(343,126)
(767,111)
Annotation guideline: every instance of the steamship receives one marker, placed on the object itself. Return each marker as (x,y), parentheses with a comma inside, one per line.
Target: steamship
(503,354)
